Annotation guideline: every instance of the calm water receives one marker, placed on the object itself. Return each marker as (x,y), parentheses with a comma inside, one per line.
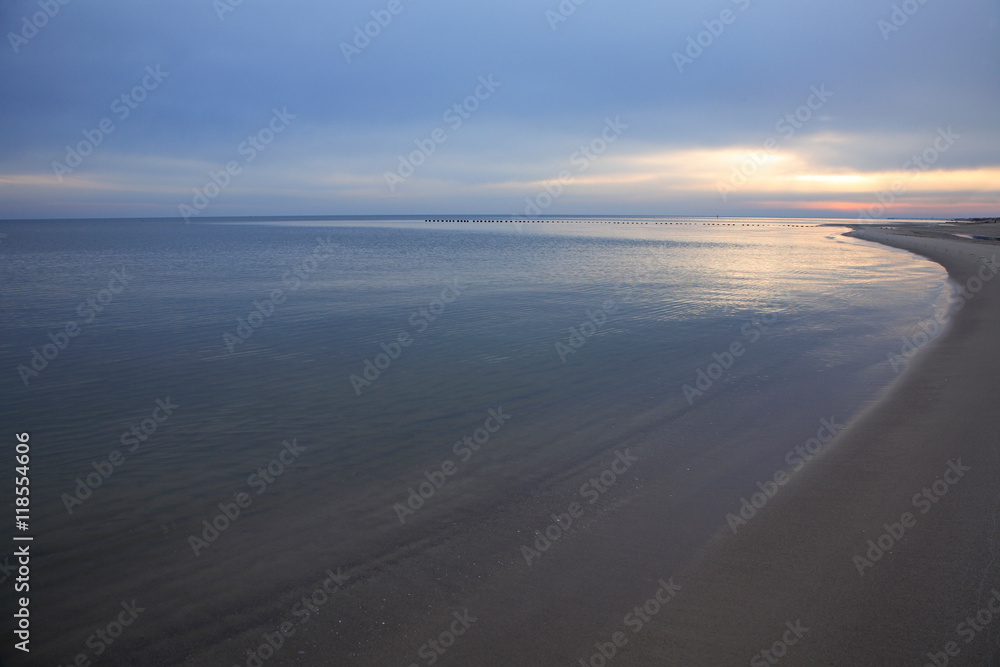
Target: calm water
(487,313)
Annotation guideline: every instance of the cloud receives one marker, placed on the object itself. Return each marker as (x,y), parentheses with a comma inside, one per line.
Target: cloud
(561,80)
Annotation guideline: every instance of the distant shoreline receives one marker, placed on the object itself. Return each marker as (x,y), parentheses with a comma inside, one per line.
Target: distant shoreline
(473,217)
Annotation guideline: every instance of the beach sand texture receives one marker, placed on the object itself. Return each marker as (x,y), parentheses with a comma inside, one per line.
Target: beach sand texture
(802,582)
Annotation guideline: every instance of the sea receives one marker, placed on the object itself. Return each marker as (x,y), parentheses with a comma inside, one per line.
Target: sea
(413,440)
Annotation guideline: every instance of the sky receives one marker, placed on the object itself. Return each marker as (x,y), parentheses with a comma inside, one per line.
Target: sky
(197,108)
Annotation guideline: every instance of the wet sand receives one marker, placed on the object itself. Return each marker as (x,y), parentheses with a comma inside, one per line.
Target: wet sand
(801,580)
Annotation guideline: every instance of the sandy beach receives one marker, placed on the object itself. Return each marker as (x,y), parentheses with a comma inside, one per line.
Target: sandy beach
(883,550)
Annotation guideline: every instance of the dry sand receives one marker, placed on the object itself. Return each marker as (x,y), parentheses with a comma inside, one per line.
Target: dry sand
(794,562)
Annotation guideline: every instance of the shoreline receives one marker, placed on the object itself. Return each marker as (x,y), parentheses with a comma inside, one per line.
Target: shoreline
(806,557)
